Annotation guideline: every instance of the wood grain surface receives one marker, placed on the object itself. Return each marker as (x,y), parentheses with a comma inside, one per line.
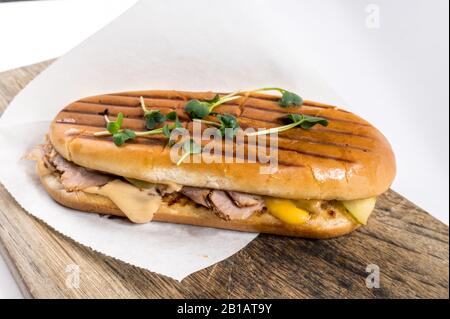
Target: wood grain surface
(409,246)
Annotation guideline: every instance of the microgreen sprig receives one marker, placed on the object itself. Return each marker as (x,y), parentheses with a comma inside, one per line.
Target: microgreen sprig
(304,121)
(199,109)
(287,98)
(114,128)
(227,125)
(152,117)
(120,136)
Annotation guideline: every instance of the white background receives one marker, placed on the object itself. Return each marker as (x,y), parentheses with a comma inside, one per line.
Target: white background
(395,74)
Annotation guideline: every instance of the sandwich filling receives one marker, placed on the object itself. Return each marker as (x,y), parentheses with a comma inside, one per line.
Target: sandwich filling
(140,200)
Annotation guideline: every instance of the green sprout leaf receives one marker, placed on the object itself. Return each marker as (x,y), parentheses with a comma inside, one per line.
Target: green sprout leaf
(293,118)
(229,125)
(152,117)
(173,116)
(121,137)
(215,99)
(199,109)
(114,126)
(304,121)
(168,128)
(287,98)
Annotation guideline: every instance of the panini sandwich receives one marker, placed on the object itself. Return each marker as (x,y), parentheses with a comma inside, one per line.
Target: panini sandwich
(110,154)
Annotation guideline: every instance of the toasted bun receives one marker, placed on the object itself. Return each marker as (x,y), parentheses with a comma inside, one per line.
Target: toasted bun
(349,159)
(186,212)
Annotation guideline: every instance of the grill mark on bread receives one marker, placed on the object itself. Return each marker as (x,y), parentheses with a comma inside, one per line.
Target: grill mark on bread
(320,139)
(153,140)
(163,142)
(314,141)
(181,116)
(184,96)
(240,117)
(314,129)
(107,104)
(274,103)
(147,96)
(160,140)
(142,128)
(97,121)
(239,108)
(134,102)
(277,120)
(80,124)
(139,115)
(330,130)
(128,116)
(308,153)
(282,112)
(134,120)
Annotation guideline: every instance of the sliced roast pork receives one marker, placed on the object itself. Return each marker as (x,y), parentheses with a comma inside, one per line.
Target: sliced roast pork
(74,177)
(226,205)
(197,195)
(245,200)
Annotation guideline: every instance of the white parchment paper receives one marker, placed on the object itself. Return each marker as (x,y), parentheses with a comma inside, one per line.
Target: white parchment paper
(187,45)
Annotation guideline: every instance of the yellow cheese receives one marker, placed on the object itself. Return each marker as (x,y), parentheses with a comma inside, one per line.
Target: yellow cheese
(136,204)
(286,211)
(360,208)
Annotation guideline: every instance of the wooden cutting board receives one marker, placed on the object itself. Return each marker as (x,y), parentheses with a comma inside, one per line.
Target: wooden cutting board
(409,246)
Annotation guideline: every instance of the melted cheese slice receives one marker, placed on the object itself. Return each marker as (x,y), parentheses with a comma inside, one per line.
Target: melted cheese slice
(299,212)
(360,208)
(138,205)
(286,211)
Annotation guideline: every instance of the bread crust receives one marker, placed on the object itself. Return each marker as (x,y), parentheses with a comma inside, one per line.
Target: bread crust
(191,214)
(350,159)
